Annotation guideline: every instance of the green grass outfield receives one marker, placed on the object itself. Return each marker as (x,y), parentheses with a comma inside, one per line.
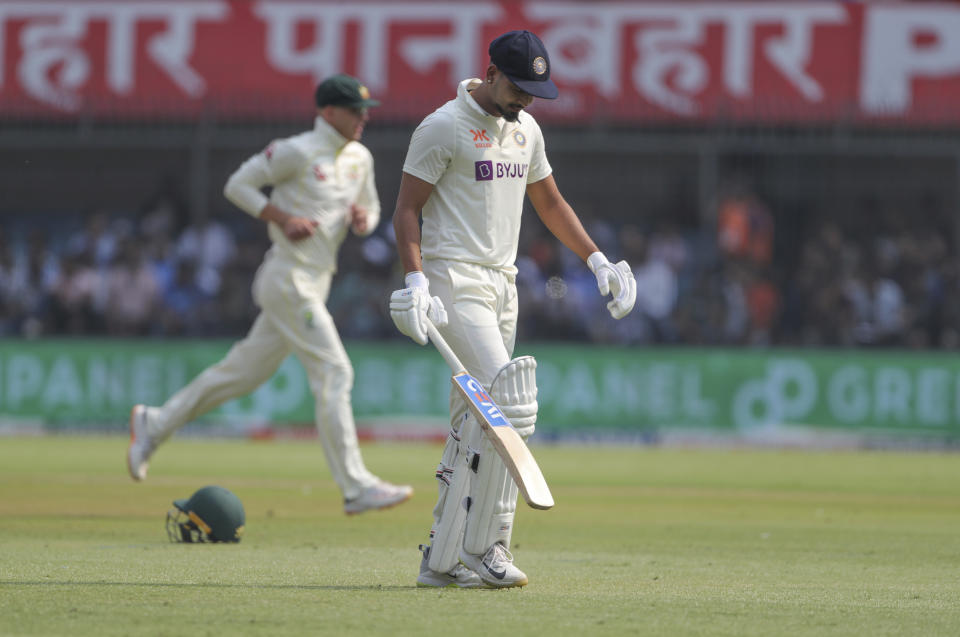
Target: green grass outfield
(643,541)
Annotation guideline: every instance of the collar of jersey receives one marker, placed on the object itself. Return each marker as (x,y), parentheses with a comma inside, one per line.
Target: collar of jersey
(463,92)
(329,134)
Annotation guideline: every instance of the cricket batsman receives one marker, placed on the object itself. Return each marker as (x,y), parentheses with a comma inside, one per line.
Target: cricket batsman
(323,186)
(467,169)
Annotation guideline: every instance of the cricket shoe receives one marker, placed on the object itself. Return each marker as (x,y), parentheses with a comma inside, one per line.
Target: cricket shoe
(141,444)
(382,495)
(495,567)
(458,577)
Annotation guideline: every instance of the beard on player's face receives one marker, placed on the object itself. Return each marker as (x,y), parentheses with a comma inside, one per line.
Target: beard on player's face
(509,115)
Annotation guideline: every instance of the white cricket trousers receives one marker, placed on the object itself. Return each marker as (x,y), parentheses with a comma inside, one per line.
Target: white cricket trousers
(481,305)
(293,318)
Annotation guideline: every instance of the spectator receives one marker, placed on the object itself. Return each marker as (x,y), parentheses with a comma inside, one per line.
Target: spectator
(657,290)
(76,295)
(763,304)
(184,303)
(31,282)
(210,246)
(132,293)
(745,228)
(878,305)
(97,240)
(666,244)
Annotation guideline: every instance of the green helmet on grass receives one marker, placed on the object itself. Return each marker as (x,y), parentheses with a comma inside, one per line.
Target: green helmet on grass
(212,514)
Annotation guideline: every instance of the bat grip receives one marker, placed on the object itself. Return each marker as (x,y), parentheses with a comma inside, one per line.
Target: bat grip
(444,349)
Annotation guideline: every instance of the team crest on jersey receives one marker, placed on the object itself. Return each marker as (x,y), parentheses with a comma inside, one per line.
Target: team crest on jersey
(520,138)
(319,174)
(480,139)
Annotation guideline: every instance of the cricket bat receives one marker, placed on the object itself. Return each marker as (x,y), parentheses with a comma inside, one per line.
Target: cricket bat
(506,441)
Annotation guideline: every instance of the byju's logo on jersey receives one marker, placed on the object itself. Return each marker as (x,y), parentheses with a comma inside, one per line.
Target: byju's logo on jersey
(487,170)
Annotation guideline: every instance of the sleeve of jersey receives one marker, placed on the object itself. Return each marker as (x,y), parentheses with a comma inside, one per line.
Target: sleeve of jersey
(539,166)
(431,148)
(369,199)
(276,163)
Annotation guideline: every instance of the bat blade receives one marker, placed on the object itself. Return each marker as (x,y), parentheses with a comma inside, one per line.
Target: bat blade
(507,442)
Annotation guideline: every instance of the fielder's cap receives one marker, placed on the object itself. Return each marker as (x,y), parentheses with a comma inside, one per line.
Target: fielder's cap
(343,90)
(521,56)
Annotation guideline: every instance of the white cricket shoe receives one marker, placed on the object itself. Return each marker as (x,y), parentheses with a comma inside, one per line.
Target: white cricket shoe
(495,567)
(382,495)
(141,444)
(458,577)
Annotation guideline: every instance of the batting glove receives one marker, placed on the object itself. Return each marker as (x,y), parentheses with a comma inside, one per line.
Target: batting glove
(412,307)
(617,280)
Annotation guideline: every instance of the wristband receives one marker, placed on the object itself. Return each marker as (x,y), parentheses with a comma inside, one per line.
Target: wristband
(595,260)
(416,279)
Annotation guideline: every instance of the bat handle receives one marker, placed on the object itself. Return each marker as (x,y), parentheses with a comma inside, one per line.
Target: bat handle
(444,349)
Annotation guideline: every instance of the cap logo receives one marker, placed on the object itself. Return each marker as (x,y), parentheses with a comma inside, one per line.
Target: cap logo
(364,92)
(539,65)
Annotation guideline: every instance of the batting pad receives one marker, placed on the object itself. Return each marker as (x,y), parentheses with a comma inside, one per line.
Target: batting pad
(493,502)
(450,513)
(493,494)
(514,389)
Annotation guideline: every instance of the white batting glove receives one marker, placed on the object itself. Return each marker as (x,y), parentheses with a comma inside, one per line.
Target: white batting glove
(617,280)
(411,307)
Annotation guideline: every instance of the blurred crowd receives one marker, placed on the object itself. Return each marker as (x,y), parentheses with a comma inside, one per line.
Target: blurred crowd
(150,273)
(160,272)
(725,287)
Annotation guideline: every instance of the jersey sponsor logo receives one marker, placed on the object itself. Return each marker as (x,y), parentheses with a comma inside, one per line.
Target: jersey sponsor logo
(488,170)
(480,139)
(484,170)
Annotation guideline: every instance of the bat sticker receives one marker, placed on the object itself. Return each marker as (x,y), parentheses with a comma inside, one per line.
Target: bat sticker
(479,397)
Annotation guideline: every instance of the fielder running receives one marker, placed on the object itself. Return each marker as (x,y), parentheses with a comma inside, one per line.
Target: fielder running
(467,169)
(323,185)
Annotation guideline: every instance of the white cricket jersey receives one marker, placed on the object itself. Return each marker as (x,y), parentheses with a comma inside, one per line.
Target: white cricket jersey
(480,165)
(318,174)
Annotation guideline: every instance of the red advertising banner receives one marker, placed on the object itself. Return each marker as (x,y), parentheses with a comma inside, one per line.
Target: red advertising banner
(619,62)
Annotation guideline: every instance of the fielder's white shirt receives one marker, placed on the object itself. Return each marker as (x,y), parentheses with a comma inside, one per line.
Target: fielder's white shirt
(318,174)
(480,165)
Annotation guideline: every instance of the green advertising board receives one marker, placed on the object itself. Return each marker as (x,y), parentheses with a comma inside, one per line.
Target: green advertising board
(582,389)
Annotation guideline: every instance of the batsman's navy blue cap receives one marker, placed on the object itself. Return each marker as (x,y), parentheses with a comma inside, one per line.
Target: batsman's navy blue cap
(521,56)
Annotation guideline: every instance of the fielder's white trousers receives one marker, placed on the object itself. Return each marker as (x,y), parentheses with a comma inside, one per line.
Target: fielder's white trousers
(293,318)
